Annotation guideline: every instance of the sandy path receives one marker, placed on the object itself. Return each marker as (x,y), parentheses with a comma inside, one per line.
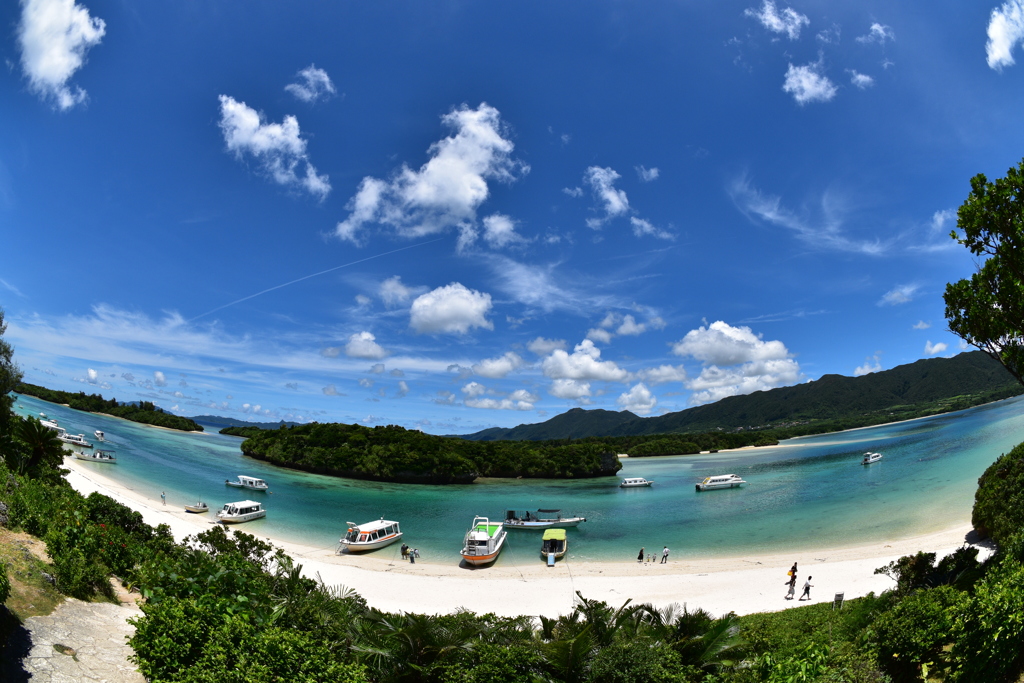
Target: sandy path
(743,584)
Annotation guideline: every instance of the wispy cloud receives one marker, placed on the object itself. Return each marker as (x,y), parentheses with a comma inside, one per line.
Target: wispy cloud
(314,84)
(647,174)
(808,83)
(826,233)
(871,364)
(862,81)
(1005,32)
(878,33)
(8,286)
(934,349)
(900,294)
(787,21)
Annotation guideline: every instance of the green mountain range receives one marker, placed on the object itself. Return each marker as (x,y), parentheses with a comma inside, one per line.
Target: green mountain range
(924,387)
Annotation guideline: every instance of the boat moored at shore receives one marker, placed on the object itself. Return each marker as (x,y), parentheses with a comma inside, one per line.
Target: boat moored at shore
(634,482)
(720,481)
(251,483)
(369,536)
(242,511)
(542,519)
(98,455)
(870,457)
(199,507)
(50,424)
(553,545)
(73,439)
(483,541)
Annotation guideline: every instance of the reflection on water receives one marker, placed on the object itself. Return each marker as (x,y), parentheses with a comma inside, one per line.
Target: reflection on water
(811,492)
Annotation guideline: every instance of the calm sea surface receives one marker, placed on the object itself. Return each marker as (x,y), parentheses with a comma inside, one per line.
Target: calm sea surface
(811,492)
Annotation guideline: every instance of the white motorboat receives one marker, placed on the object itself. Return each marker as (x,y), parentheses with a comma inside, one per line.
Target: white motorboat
(244,482)
(483,541)
(50,424)
(870,457)
(242,511)
(73,439)
(369,536)
(199,507)
(553,545)
(541,519)
(99,435)
(720,481)
(634,482)
(98,455)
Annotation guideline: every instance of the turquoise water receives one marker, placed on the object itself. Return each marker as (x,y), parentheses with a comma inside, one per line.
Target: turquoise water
(810,493)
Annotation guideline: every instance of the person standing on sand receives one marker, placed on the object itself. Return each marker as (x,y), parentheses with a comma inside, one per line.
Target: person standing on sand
(792,570)
(640,557)
(664,555)
(163,497)
(792,587)
(807,589)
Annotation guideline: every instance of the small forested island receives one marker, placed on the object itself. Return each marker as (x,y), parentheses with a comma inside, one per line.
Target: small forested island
(143,411)
(394,453)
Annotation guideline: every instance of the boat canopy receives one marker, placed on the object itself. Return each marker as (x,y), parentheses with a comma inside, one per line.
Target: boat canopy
(554,535)
(544,510)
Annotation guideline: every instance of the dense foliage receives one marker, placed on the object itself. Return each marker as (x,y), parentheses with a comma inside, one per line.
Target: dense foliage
(999,501)
(392,453)
(143,411)
(987,309)
(830,403)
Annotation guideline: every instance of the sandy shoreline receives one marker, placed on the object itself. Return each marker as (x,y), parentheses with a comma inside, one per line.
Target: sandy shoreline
(743,584)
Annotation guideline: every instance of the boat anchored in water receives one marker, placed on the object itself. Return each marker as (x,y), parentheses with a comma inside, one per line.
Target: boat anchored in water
(50,424)
(98,455)
(73,439)
(242,511)
(483,541)
(244,482)
(870,457)
(553,545)
(369,536)
(100,436)
(634,482)
(199,507)
(542,519)
(720,481)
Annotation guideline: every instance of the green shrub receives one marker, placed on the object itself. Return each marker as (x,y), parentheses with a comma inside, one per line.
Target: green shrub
(911,636)
(5,584)
(988,634)
(637,659)
(999,502)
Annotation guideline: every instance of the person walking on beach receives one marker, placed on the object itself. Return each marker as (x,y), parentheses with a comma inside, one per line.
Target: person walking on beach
(640,557)
(791,593)
(664,555)
(405,552)
(163,497)
(807,589)
(792,570)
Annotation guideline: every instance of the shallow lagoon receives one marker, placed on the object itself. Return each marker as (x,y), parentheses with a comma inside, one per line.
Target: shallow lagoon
(810,492)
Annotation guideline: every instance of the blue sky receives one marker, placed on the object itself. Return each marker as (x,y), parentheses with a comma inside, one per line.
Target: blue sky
(455,215)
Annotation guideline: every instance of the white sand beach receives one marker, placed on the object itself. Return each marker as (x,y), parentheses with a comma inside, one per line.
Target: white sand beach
(743,584)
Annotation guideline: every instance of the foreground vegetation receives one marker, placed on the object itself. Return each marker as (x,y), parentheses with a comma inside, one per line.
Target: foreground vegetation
(393,453)
(143,411)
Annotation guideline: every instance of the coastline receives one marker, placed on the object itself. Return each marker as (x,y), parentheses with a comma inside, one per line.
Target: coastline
(743,584)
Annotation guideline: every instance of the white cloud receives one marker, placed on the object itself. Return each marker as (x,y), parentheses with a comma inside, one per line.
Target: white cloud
(900,294)
(663,374)
(569,389)
(921,325)
(54,36)
(613,201)
(543,347)
(630,327)
(330,352)
(827,235)
(647,174)
(643,227)
(365,383)
(584,363)
(453,308)
(722,344)
(599,335)
(788,21)
(364,345)
(377,369)
(393,292)
(807,83)
(716,383)
(871,364)
(1005,31)
(574,192)
(474,389)
(363,301)
(878,33)
(403,389)
(935,349)
(496,368)
(314,85)
(637,400)
(940,219)
(91,376)
(502,403)
(159,379)
(278,147)
(500,231)
(862,81)
(447,190)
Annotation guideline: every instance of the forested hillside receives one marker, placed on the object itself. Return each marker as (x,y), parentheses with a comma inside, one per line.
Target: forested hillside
(143,411)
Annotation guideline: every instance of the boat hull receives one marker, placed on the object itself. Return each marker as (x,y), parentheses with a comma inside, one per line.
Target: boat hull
(715,487)
(355,547)
(236,485)
(634,486)
(196,509)
(552,524)
(89,457)
(238,519)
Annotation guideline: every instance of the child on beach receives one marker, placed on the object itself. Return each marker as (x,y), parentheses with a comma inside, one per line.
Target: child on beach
(807,589)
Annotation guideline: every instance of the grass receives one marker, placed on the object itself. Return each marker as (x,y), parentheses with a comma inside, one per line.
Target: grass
(26,561)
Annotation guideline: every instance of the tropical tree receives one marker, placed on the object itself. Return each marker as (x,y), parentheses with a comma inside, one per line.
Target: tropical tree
(43,451)
(10,376)
(987,309)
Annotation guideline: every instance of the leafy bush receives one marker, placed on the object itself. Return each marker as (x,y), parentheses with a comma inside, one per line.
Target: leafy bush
(5,584)
(988,634)
(999,502)
(637,659)
(911,636)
